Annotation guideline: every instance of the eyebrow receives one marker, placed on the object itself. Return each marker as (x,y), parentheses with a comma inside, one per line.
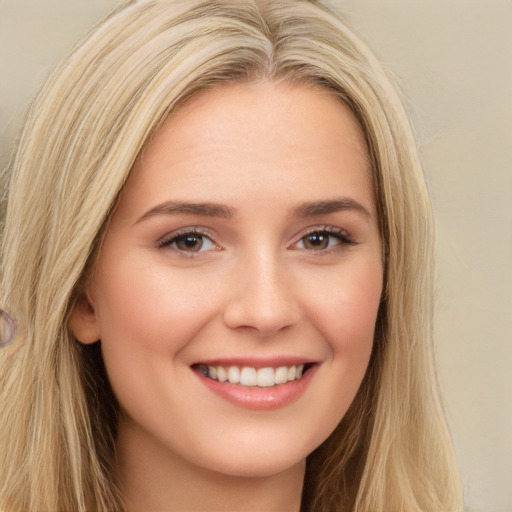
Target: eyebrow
(184,207)
(310,209)
(207,209)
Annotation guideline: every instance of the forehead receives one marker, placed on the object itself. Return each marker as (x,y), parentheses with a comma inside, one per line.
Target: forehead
(276,139)
(243,110)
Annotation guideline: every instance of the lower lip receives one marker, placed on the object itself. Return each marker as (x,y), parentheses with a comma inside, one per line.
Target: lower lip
(256,398)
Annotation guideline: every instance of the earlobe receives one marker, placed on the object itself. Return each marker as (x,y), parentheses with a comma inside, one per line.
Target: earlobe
(83,322)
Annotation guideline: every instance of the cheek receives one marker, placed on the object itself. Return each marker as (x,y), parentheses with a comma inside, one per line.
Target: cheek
(149,307)
(342,307)
(147,318)
(346,307)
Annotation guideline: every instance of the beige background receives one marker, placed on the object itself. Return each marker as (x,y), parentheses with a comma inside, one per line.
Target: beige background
(453,60)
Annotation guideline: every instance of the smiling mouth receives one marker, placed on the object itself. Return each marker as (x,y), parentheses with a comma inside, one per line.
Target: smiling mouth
(251,377)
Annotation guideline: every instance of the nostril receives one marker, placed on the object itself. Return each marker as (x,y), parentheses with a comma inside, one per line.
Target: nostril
(262,315)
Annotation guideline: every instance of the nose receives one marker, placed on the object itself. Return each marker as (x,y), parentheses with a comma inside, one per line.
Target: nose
(263,298)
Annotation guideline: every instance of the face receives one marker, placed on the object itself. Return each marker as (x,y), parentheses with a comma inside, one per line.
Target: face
(244,246)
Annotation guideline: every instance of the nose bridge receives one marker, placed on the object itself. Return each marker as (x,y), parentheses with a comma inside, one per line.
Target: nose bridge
(264,299)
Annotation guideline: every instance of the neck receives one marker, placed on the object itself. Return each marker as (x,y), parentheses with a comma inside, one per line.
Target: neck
(152,478)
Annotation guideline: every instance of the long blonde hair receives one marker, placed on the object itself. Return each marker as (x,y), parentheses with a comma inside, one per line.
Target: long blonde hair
(392,451)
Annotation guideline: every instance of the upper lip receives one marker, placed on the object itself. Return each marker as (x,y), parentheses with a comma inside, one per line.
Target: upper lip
(256,362)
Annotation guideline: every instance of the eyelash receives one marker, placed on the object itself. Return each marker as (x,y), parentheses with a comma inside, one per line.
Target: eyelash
(329,231)
(332,232)
(168,240)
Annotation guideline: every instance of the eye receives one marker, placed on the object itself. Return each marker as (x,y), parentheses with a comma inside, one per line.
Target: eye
(323,239)
(189,242)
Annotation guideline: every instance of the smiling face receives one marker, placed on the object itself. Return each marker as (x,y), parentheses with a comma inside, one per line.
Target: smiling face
(245,242)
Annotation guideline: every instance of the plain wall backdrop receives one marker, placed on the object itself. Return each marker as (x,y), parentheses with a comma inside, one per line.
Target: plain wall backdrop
(453,62)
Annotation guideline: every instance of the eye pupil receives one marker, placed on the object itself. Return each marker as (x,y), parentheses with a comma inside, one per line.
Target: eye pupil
(316,241)
(191,243)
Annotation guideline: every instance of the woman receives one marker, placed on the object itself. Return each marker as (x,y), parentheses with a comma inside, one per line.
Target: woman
(218,252)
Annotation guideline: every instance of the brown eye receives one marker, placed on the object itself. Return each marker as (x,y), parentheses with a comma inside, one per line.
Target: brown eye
(316,241)
(323,240)
(189,242)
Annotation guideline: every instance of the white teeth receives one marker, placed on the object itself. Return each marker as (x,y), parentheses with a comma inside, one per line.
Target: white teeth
(250,377)
(234,375)
(266,377)
(222,376)
(281,375)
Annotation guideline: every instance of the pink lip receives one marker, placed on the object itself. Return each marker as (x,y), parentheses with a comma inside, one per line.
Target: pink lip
(255,398)
(256,362)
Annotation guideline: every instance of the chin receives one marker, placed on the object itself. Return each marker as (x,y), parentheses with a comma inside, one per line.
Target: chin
(258,467)
(258,460)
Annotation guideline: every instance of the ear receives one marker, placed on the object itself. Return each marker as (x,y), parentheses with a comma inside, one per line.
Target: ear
(83,322)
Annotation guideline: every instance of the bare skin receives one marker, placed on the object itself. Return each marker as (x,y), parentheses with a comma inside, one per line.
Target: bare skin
(246,236)
(191,488)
